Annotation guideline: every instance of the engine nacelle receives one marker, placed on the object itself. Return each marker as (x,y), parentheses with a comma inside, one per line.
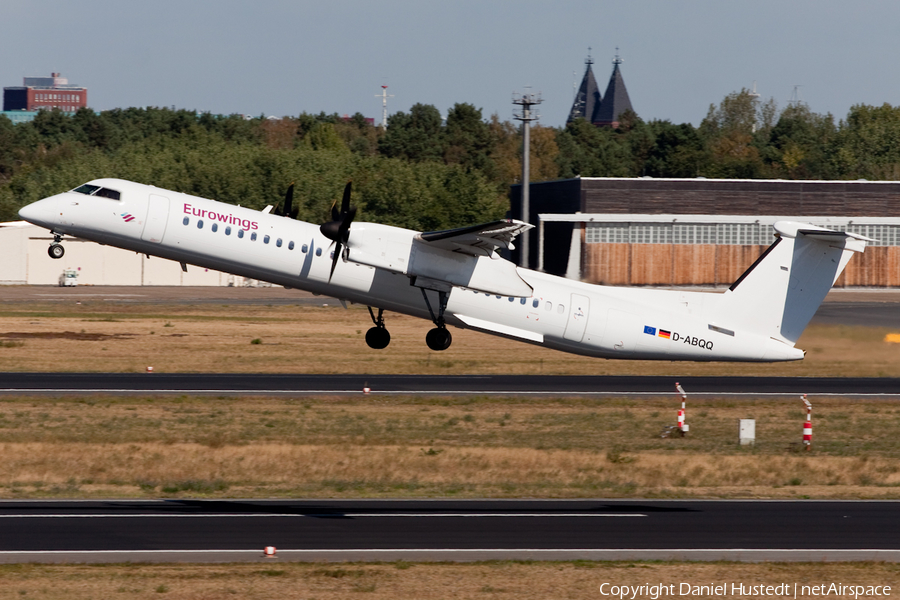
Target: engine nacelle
(401,251)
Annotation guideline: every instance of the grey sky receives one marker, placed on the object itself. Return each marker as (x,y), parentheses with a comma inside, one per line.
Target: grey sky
(281,57)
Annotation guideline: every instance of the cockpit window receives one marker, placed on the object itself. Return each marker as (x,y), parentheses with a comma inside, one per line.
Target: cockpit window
(87,189)
(108,193)
(96,190)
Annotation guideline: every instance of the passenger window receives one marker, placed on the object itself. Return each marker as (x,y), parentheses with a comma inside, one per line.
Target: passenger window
(548,305)
(215,227)
(253,237)
(535,303)
(186,220)
(278,242)
(511,298)
(228,231)
(265,239)
(522,301)
(240,233)
(199,223)
(290,245)
(560,309)
(318,252)
(304,248)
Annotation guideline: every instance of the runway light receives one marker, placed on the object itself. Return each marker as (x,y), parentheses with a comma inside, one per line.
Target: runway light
(149,369)
(270,551)
(366,388)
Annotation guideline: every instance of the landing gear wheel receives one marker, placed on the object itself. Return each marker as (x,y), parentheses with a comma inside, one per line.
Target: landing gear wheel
(438,339)
(56,251)
(378,338)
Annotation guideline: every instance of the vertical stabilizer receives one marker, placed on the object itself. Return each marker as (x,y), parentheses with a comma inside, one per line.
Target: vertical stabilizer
(779,294)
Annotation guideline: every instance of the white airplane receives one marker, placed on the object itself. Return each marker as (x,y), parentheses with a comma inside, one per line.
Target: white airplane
(457,278)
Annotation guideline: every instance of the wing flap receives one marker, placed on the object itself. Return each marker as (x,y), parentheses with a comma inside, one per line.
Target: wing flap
(477,240)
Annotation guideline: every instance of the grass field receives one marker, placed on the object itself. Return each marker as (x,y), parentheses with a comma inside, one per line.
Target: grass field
(442,447)
(117,337)
(523,581)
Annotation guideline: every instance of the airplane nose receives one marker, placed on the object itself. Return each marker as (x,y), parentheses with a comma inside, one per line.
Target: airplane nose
(40,212)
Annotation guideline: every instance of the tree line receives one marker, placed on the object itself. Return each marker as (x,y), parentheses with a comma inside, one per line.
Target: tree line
(426,171)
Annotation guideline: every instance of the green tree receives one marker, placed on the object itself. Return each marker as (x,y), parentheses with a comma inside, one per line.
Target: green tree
(589,151)
(417,136)
(867,144)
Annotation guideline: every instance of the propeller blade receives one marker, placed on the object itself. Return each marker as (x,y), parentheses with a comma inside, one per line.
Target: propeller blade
(338,228)
(345,201)
(289,202)
(337,254)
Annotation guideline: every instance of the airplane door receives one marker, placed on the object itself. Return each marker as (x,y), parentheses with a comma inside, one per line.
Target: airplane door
(157,216)
(578,317)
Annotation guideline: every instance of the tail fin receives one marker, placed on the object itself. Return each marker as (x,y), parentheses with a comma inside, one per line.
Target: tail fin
(779,294)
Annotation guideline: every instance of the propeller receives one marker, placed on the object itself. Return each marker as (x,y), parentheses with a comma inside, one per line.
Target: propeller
(289,210)
(338,228)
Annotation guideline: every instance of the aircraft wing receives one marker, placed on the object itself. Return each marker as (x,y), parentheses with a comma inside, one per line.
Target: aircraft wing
(477,240)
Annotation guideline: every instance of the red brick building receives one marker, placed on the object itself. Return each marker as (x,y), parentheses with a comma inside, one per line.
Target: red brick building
(38,93)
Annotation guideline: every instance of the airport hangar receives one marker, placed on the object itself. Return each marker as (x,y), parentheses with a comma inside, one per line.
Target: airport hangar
(699,232)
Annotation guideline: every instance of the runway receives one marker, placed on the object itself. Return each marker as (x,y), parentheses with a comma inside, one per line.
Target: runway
(423,530)
(518,385)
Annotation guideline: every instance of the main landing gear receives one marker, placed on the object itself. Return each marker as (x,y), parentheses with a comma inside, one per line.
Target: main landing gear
(438,338)
(56,250)
(378,337)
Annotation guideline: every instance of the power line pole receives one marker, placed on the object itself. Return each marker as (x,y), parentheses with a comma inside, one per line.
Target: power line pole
(526,115)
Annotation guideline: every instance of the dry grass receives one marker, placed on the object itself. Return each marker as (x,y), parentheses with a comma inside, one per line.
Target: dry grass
(573,580)
(95,336)
(453,447)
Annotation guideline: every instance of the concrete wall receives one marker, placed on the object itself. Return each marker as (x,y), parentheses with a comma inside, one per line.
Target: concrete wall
(25,261)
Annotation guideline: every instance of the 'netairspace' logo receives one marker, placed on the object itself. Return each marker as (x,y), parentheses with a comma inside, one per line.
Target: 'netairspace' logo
(782,590)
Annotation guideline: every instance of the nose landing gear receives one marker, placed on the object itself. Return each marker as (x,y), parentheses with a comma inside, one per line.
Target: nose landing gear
(56,250)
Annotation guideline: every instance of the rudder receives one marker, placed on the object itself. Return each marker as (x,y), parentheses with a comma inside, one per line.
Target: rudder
(779,294)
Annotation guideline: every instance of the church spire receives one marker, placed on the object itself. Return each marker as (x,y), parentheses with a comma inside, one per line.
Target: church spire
(615,101)
(587,99)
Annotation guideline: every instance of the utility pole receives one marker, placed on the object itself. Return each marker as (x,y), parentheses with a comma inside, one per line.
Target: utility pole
(526,115)
(384,96)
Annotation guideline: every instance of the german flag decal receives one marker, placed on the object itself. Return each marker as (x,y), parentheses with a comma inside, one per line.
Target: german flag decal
(665,334)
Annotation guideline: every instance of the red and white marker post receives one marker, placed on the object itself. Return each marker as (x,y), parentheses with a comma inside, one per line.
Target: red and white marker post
(682,427)
(807,426)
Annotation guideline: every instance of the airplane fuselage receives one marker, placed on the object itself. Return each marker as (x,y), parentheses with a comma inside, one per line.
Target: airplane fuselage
(559,313)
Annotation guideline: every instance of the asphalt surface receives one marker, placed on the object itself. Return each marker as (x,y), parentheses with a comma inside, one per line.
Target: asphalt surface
(569,385)
(102,531)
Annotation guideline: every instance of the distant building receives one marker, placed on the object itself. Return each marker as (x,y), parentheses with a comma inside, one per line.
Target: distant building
(48,93)
(699,232)
(602,111)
